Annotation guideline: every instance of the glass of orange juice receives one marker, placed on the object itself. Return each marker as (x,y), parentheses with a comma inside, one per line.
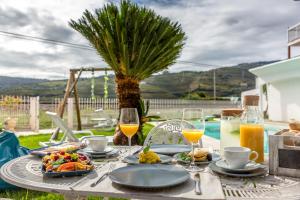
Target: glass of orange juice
(193,134)
(129,123)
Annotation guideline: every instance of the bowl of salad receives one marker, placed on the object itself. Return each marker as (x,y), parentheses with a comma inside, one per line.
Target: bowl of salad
(62,164)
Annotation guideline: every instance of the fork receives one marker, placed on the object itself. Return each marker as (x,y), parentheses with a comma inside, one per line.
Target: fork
(111,167)
(86,177)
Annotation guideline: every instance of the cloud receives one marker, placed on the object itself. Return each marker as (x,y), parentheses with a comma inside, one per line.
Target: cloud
(13,17)
(231,31)
(46,65)
(27,58)
(57,32)
(164,3)
(222,33)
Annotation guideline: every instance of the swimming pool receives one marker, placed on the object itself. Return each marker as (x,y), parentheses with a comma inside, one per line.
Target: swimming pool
(212,129)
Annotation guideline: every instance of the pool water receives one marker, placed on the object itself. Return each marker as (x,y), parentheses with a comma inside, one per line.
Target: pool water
(212,129)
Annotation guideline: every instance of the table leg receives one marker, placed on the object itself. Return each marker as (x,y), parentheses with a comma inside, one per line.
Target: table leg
(74,197)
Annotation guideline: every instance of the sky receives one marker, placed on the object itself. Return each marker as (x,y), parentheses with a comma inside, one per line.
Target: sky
(219,33)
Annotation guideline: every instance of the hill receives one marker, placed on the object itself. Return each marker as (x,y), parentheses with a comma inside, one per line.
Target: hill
(230,81)
(7,82)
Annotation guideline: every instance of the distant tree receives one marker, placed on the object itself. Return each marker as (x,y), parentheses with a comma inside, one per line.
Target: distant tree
(201,94)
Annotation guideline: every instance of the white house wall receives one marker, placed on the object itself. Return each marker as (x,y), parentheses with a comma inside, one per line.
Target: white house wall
(283,85)
(284,100)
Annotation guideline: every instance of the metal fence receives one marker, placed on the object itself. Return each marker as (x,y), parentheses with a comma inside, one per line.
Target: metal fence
(181,103)
(165,108)
(31,113)
(112,104)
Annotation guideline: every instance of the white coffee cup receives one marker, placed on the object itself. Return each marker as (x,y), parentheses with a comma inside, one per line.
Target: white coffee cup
(96,143)
(238,157)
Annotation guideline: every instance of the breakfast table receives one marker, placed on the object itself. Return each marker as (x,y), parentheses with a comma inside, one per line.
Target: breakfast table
(25,172)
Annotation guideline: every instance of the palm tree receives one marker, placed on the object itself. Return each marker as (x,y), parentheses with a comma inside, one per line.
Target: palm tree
(135,42)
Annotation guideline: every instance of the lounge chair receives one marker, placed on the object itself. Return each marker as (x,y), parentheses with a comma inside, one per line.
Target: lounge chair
(69,135)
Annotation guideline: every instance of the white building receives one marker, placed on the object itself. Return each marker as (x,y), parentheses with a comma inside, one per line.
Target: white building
(278,85)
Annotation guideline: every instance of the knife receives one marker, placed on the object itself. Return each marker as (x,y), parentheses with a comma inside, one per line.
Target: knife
(138,150)
(197,179)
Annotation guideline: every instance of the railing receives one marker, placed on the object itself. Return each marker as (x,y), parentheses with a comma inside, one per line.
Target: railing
(181,103)
(294,33)
(165,108)
(112,104)
(31,113)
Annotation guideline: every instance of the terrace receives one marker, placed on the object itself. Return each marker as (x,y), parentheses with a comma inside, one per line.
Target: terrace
(196,147)
(294,35)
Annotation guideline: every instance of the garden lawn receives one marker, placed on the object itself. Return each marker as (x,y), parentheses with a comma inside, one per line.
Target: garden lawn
(32,142)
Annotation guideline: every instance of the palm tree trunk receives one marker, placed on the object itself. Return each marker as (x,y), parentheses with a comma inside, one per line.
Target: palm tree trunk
(128,93)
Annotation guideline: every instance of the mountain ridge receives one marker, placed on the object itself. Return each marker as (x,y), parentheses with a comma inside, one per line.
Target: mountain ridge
(230,81)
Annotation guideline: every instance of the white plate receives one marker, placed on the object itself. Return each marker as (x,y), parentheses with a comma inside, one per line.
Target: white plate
(248,168)
(90,151)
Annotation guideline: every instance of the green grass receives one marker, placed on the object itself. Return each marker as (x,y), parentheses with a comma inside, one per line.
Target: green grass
(23,194)
(45,120)
(32,142)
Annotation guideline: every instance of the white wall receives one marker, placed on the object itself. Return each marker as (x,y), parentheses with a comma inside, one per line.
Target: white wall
(284,100)
(258,91)
(283,83)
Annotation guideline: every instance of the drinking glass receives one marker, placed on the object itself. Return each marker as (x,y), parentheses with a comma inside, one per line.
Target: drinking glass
(129,123)
(196,117)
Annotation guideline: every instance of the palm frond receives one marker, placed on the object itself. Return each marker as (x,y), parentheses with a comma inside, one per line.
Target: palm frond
(132,40)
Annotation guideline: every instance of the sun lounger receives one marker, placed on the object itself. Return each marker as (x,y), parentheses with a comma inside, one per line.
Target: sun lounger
(69,135)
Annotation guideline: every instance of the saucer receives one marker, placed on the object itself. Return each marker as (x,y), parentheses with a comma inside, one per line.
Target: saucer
(90,151)
(109,154)
(251,166)
(261,171)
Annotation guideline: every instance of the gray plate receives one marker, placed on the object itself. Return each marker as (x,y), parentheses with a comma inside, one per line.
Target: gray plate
(149,176)
(90,151)
(170,149)
(252,166)
(215,157)
(112,153)
(133,159)
(258,172)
